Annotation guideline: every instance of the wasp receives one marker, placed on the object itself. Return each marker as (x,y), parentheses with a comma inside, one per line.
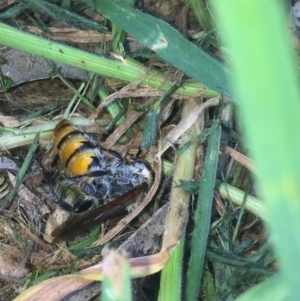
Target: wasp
(104,175)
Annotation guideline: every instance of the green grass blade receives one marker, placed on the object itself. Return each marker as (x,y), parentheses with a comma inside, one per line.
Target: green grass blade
(171,276)
(126,70)
(236,196)
(274,289)
(230,259)
(167,42)
(267,93)
(203,215)
(12,37)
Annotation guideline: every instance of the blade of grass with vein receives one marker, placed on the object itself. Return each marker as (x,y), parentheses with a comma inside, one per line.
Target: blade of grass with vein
(237,261)
(236,196)
(202,215)
(124,70)
(167,42)
(171,278)
(267,92)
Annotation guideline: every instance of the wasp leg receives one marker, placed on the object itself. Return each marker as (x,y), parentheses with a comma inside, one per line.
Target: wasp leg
(115,154)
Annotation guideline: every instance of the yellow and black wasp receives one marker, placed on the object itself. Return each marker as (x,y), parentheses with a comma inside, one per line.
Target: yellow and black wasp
(107,178)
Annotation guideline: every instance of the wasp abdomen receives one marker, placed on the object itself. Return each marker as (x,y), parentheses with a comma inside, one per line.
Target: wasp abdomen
(78,153)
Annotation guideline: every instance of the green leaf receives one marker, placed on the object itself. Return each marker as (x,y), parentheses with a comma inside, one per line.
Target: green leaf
(167,42)
(266,87)
(202,215)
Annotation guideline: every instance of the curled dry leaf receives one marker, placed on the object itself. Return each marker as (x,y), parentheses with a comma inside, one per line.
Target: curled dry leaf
(66,285)
(72,35)
(187,122)
(144,91)
(239,157)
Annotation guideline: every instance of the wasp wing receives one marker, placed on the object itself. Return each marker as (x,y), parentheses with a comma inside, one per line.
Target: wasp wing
(84,221)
